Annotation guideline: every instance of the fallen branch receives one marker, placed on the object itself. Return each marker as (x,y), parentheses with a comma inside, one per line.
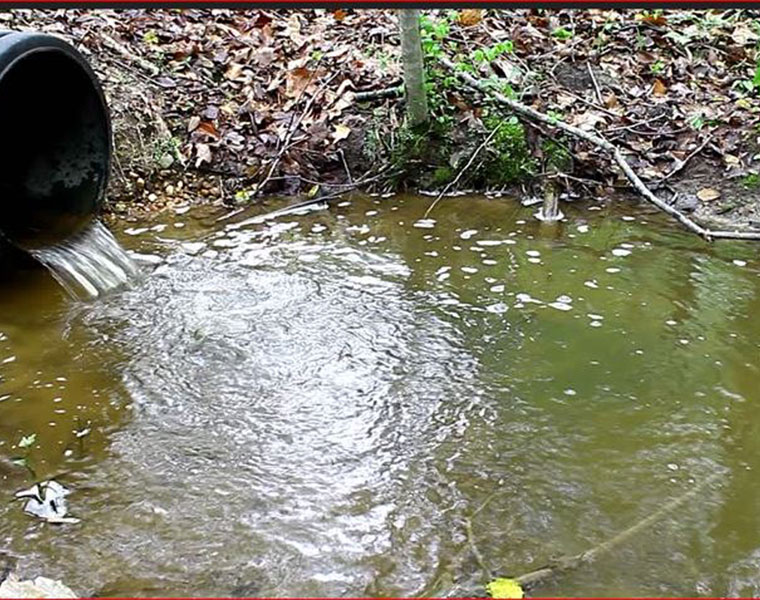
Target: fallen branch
(572,562)
(604,144)
(391,92)
(112,44)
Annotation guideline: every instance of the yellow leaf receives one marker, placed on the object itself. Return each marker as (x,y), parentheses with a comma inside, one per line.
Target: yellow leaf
(313,191)
(659,89)
(503,587)
(341,132)
(470,16)
(707,194)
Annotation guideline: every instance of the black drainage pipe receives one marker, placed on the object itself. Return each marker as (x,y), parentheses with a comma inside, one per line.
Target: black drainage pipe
(55,153)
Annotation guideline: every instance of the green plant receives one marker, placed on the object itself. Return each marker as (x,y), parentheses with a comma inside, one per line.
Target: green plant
(751,181)
(509,159)
(25,445)
(491,53)
(562,34)
(657,67)
(557,155)
(150,37)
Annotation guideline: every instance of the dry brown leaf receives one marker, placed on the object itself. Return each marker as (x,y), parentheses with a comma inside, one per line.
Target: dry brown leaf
(296,81)
(655,19)
(708,194)
(470,16)
(339,14)
(208,128)
(658,88)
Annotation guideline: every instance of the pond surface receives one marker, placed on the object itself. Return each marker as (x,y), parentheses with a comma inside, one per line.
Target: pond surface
(314,405)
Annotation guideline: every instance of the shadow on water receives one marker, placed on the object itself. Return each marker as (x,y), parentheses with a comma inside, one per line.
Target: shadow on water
(313,405)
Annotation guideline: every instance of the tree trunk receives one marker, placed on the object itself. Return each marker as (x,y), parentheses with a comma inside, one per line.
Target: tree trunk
(414,69)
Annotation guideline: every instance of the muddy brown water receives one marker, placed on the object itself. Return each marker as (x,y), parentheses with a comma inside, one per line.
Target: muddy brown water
(313,405)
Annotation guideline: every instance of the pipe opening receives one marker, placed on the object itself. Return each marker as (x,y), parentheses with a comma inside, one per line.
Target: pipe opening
(55,154)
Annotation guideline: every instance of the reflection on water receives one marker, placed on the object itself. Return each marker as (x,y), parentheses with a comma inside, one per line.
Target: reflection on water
(315,404)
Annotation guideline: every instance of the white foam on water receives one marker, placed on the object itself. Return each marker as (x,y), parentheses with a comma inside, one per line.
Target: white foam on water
(89,264)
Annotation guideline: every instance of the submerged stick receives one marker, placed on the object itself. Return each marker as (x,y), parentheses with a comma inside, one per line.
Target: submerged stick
(604,144)
(571,562)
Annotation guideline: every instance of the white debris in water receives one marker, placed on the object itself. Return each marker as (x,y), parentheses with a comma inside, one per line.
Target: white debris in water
(533,253)
(628,218)
(490,262)
(612,270)
(424,224)
(591,283)
(490,242)
(739,263)
(671,322)
(561,306)
(673,466)
(135,230)
(466,235)
(526,299)
(498,308)
(370,213)
(595,324)
(595,317)
(570,392)
(582,228)
(469,269)
(684,341)
(497,288)
(90,263)
(564,299)
(620,252)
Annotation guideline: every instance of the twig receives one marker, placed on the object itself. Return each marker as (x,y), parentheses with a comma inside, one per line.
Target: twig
(462,171)
(599,141)
(290,134)
(144,64)
(345,165)
(572,562)
(596,85)
(682,164)
(391,92)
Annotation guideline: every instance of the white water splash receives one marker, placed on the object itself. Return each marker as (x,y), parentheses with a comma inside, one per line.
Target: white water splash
(89,264)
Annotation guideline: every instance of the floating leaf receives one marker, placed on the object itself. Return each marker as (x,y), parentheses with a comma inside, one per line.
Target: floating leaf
(708,194)
(504,587)
(27,440)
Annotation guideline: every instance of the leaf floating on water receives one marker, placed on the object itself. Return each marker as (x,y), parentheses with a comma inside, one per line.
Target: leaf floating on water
(707,194)
(27,440)
(504,587)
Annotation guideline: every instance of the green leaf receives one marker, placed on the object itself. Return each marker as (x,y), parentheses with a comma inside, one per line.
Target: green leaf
(756,78)
(503,587)
(562,34)
(27,440)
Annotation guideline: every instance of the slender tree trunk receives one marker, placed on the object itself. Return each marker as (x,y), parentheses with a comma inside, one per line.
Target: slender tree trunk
(414,69)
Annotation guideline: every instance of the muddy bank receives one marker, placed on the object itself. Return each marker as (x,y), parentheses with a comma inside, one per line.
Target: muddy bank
(222,106)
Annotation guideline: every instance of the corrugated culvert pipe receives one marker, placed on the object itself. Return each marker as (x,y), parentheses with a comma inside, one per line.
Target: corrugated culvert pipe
(55,153)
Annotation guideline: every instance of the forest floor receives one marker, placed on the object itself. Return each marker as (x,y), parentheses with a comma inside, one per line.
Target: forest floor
(216,105)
